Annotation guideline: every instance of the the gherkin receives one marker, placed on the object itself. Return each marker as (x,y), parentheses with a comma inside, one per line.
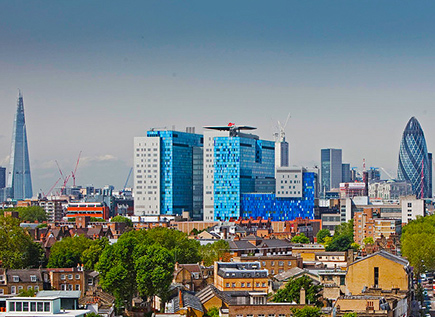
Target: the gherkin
(19,178)
(415,163)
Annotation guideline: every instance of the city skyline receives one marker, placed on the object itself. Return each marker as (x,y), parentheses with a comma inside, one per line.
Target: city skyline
(97,75)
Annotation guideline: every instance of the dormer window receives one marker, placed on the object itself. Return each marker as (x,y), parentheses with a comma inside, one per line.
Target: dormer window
(16,279)
(33,278)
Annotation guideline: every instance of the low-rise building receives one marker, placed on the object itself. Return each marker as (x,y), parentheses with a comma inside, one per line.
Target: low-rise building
(274,264)
(38,306)
(240,276)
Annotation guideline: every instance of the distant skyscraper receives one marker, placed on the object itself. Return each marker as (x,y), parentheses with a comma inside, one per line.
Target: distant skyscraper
(2,177)
(331,169)
(345,173)
(415,163)
(19,178)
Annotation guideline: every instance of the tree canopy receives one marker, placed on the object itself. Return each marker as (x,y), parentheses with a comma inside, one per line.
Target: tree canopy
(292,290)
(72,251)
(300,238)
(17,249)
(30,214)
(418,243)
(214,251)
(307,311)
(342,239)
(142,261)
(322,234)
(120,218)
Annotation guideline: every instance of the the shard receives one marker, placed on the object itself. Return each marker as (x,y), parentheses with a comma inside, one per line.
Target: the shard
(19,178)
(415,163)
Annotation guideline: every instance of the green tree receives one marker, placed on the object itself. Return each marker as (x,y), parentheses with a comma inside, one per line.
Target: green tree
(368,240)
(142,261)
(30,214)
(17,249)
(350,315)
(322,234)
(117,270)
(340,243)
(212,252)
(183,249)
(72,251)
(92,254)
(122,219)
(93,315)
(213,312)
(300,238)
(292,290)
(344,229)
(27,293)
(68,251)
(154,271)
(307,311)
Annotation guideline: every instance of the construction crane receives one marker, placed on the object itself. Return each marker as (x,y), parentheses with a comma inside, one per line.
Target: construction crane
(280,135)
(73,174)
(49,191)
(65,179)
(388,174)
(128,177)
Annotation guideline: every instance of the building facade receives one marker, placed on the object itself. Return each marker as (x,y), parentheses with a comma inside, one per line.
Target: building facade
(331,169)
(164,165)
(239,163)
(288,203)
(19,180)
(415,164)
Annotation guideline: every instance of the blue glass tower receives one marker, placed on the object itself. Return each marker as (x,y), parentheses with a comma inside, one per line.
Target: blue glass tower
(19,178)
(239,162)
(415,163)
(177,163)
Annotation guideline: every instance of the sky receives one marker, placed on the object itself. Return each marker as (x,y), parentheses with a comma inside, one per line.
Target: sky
(95,74)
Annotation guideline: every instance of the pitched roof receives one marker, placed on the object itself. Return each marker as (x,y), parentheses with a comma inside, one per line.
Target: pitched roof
(188,300)
(209,292)
(386,255)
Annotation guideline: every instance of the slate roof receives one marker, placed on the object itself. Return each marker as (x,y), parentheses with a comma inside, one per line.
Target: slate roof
(207,293)
(386,255)
(24,275)
(188,300)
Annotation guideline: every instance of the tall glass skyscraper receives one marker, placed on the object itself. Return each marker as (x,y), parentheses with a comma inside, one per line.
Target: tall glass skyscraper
(331,169)
(19,178)
(415,163)
(239,162)
(168,173)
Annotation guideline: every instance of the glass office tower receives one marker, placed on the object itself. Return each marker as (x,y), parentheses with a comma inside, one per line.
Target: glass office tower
(167,164)
(331,169)
(415,163)
(19,179)
(238,164)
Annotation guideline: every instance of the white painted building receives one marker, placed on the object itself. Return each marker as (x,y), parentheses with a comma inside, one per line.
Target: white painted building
(146,176)
(38,306)
(411,208)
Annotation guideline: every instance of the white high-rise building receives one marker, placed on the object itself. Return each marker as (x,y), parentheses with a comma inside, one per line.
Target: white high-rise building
(146,176)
